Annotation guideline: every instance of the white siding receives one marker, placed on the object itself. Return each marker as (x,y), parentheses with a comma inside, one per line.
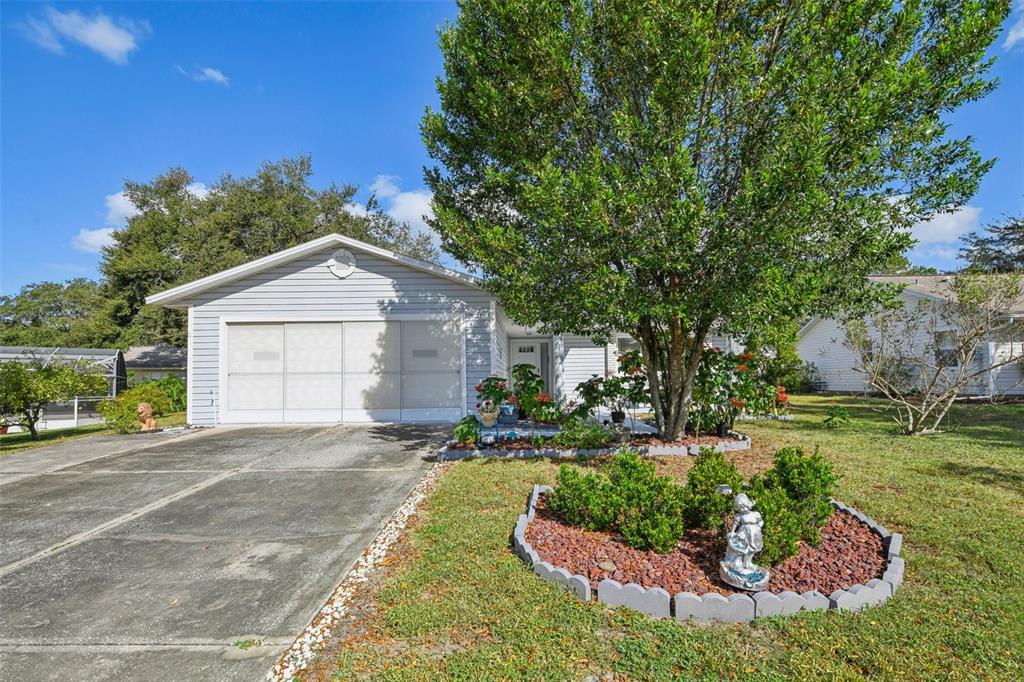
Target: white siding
(822,345)
(581,359)
(1008,379)
(500,345)
(378,287)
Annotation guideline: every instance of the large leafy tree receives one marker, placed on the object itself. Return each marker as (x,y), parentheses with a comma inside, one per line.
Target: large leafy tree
(180,235)
(55,314)
(667,168)
(1000,250)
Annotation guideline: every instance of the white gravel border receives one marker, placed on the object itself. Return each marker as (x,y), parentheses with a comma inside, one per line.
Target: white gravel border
(302,652)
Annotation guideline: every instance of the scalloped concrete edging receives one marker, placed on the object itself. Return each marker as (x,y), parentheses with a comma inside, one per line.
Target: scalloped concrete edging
(446,455)
(713,607)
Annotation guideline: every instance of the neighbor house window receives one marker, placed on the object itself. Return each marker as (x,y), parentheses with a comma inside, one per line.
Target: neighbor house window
(627,344)
(945,349)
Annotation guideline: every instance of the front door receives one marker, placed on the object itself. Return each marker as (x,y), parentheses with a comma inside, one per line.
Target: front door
(531,352)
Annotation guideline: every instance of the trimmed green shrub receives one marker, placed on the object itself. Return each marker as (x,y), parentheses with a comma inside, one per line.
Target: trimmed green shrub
(627,496)
(706,508)
(809,480)
(467,430)
(783,522)
(584,499)
(793,497)
(651,506)
(581,434)
(121,412)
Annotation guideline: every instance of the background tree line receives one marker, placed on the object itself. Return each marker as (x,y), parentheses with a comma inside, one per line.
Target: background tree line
(179,236)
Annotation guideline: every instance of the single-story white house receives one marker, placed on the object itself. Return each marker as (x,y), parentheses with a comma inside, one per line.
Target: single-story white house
(337,330)
(147,363)
(821,341)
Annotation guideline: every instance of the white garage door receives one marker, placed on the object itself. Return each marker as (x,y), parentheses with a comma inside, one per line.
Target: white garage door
(343,371)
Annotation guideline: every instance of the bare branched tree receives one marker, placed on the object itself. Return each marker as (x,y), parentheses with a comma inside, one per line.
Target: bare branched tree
(922,355)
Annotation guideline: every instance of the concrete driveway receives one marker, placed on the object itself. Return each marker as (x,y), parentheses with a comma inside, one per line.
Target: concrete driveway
(148,557)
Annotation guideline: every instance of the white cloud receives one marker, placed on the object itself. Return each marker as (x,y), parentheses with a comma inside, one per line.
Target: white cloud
(411,207)
(115,39)
(356,209)
(407,207)
(198,189)
(205,74)
(946,228)
(1016,32)
(384,186)
(93,241)
(119,209)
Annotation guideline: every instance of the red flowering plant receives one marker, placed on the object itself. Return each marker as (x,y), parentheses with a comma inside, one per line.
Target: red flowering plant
(546,410)
(492,392)
(781,400)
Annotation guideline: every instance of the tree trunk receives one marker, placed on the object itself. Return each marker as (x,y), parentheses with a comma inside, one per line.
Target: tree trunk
(671,373)
(32,428)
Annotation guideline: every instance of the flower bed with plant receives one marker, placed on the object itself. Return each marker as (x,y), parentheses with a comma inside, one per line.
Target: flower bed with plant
(625,524)
(727,385)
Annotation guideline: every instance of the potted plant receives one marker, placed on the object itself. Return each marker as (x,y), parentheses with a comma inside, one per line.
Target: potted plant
(488,411)
(528,386)
(614,398)
(491,393)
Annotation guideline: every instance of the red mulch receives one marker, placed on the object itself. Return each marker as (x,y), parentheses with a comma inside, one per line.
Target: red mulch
(849,553)
(525,443)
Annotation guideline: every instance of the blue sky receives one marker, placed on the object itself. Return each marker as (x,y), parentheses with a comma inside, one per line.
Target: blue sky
(93,94)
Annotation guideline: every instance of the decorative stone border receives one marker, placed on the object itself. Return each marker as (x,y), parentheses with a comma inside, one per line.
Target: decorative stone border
(444,454)
(308,642)
(765,418)
(710,607)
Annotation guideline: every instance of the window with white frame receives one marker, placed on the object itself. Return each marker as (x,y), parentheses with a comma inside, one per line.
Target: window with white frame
(945,349)
(626,344)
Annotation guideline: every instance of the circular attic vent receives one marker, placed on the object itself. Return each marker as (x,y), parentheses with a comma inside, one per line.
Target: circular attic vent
(342,263)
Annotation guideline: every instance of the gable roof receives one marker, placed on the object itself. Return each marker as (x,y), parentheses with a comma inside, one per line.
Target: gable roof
(155,357)
(932,287)
(175,297)
(937,287)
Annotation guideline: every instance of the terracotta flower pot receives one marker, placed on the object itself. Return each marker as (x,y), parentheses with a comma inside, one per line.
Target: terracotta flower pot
(488,417)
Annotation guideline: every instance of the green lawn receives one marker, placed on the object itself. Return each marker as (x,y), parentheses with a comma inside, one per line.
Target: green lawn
(459,605)
(15,442)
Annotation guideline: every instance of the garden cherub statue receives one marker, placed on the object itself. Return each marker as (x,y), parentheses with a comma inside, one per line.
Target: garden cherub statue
(145,412)
(743,542)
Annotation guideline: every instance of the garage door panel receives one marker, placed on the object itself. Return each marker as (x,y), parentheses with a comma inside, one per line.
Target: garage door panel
(255,392)
(430,390)
(430,346)
(372,391)
(255,348)
(372,346)
(313,392)
(363,371)
(313,347)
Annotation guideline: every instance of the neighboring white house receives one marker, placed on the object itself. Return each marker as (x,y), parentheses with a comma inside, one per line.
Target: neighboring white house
(821,342)
(145,363)
(336,330)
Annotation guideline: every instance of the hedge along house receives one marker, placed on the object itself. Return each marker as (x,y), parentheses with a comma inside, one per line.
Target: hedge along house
(339,331)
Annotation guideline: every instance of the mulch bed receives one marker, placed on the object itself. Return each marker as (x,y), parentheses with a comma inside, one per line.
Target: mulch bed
(849,553)
(526,443)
